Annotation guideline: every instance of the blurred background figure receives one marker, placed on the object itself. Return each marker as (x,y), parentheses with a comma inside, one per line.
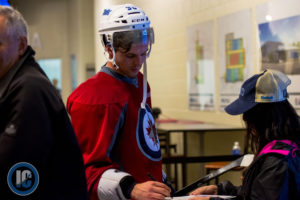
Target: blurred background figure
(55,84)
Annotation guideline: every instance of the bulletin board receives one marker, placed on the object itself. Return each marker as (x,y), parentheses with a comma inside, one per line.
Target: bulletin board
(235,51)
(200,66)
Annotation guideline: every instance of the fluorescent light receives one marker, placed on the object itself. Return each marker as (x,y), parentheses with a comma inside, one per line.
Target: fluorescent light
(269,18)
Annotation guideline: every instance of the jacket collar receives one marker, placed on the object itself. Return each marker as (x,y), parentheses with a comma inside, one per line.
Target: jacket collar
(7,78)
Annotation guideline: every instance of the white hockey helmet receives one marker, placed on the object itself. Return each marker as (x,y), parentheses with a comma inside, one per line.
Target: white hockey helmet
(125,18)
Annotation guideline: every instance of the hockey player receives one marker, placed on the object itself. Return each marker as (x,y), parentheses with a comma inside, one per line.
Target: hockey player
(111,113)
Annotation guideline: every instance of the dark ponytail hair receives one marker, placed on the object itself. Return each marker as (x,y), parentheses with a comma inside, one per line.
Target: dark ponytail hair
(271,121)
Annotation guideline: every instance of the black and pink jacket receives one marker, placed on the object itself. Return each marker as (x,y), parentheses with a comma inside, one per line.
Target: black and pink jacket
(274,174)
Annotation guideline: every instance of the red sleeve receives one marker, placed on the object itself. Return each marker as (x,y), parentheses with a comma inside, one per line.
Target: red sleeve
(96,130)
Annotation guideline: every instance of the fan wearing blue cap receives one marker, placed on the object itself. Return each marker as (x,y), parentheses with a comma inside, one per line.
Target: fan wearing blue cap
(267,87)
(273,129)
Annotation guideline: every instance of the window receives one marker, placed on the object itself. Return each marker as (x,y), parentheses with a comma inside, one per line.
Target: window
(52,68)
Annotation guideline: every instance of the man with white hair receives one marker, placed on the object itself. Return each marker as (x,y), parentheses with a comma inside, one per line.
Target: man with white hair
(39,155)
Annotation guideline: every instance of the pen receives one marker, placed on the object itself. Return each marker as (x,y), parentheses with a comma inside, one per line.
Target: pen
(151,177)
(170,186)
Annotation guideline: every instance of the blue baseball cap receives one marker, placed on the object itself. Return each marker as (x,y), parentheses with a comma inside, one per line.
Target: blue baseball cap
(267,87)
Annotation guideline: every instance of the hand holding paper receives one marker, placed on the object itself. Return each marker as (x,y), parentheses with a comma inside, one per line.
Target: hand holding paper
(199,197)
(150,190)
(211,190)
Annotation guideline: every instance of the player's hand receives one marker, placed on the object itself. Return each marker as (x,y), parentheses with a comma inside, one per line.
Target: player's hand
(210,189)
(150,190)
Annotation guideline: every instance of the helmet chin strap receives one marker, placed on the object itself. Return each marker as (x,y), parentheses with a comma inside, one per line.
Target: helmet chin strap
(143,104)
(113,59)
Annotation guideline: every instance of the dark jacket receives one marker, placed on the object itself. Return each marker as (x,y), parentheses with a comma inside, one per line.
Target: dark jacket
(271,176)
(35,128)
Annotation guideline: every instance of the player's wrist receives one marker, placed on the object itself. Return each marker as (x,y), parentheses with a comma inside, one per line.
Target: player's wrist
(127,184)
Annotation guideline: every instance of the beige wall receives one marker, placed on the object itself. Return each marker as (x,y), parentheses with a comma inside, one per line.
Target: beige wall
(65,28)
(167,63)
(82,44)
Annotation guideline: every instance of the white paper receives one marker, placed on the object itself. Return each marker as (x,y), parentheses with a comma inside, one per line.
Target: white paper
(191,196)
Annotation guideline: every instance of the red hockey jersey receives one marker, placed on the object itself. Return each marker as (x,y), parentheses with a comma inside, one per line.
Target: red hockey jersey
(113,130)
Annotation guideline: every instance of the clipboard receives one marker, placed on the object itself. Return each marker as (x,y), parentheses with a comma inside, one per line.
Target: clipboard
(243,161)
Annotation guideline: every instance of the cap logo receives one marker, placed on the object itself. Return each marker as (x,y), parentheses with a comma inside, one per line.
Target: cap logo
(267,97)
(242,91)
(106,11)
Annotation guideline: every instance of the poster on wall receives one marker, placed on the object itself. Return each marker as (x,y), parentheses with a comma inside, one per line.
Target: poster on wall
(200,67)
(279,36)
(235,54)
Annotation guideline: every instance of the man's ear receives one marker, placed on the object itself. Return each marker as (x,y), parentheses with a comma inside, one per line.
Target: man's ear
(23,44)
(109,51)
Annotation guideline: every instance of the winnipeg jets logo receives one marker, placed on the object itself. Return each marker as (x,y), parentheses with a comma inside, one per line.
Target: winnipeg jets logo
(151,131)
(146,135)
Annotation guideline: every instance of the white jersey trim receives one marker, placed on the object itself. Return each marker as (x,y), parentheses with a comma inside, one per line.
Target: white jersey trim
(109,185)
